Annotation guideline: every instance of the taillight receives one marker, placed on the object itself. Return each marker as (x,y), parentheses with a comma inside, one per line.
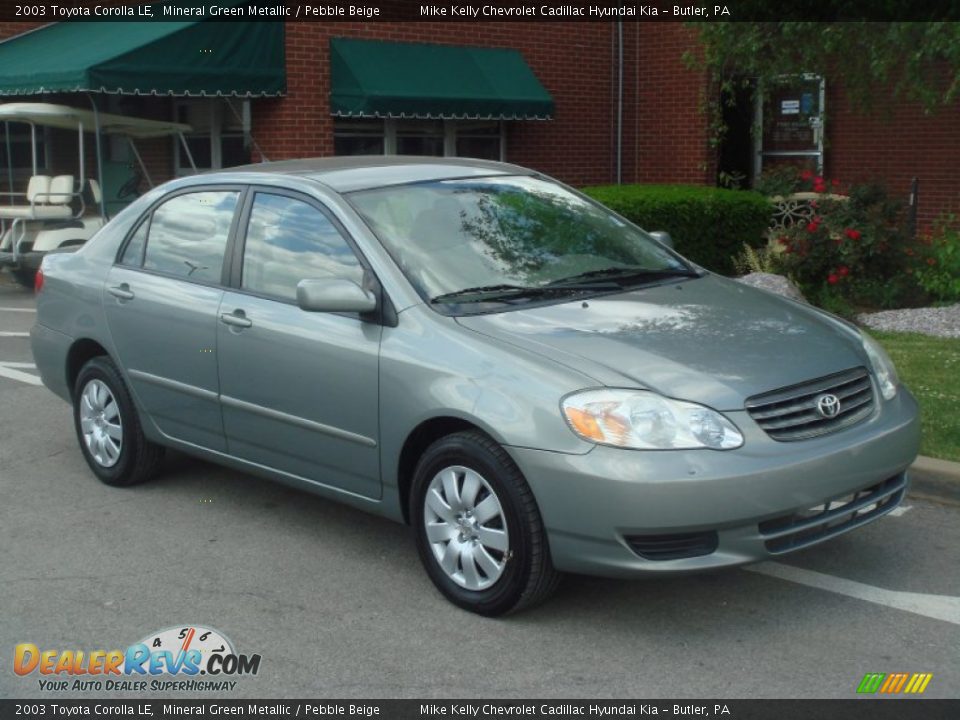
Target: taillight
(38,281)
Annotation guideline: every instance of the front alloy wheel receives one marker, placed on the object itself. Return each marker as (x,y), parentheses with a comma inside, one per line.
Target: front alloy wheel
(479,532)
(464,522)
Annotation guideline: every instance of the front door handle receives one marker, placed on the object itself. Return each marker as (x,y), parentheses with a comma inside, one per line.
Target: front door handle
(122,291)
(237,318)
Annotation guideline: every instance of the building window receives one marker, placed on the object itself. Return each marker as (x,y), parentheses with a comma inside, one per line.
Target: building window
(482,140)
(219,139)
(21,154)
(420,137)
(430,138)
(358,137)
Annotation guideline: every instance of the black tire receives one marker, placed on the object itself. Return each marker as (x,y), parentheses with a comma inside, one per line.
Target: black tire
(139,459)
(24,277)
(528,576)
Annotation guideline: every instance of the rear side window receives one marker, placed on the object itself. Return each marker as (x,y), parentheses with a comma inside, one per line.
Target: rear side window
(133,252)
(188,235)
(288,241)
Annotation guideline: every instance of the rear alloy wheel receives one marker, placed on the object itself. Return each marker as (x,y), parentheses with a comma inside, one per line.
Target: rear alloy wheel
(100,423)
(108,428)
(478,530)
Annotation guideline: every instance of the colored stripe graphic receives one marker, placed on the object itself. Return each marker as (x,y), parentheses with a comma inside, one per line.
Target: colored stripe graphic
(894,683)
(871,682)
(918,683)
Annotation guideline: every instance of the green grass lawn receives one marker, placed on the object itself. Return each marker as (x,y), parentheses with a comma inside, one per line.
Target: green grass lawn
(930,367)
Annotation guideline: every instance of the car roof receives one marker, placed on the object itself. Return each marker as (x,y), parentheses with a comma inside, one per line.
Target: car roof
(345,174)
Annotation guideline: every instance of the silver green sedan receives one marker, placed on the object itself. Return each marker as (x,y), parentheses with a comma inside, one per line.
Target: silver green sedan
(533,383)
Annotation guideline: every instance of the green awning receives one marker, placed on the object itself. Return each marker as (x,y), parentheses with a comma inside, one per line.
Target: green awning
(146,58)
(415,80)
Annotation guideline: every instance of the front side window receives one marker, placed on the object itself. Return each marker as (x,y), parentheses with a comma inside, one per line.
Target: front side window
(289,240)
(510,234)
(188,235)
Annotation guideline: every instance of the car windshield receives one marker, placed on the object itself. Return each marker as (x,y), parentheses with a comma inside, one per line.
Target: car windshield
(498,239)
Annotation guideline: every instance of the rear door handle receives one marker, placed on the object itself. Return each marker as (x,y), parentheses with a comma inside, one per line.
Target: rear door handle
(123,292)
(237,318)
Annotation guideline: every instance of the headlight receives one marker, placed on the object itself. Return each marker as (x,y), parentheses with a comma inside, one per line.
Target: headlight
(643,420)
(882,366)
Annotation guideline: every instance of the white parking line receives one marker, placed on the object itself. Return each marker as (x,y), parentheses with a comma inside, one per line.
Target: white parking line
(938,607)
(5,333)
(11,371)
(898,511)
(13,309)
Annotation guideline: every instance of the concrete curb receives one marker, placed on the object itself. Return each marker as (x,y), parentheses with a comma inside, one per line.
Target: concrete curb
(935,479)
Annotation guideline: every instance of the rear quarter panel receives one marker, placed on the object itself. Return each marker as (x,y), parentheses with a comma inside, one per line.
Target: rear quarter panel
(70,306)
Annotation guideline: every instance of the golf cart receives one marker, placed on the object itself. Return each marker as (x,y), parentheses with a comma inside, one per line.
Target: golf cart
(62,212)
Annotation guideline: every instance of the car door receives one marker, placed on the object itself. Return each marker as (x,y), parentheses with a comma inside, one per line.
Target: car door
(161,301)
(299,390)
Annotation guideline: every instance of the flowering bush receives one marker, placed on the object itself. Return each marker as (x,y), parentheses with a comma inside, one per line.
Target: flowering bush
(851,251)
(787,180)
(938,260)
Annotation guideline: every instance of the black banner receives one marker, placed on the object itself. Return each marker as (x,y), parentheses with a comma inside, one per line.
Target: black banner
(865,709)
(477,10)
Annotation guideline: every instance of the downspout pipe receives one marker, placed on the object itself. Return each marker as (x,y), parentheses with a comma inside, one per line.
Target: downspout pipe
(619,102)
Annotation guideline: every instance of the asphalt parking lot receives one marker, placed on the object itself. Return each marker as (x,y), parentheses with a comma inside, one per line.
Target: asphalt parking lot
(337,605)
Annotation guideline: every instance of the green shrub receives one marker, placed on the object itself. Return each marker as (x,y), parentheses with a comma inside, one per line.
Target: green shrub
(938,269)
(708,225)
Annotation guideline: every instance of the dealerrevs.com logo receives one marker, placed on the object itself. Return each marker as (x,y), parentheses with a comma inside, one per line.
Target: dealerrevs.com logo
(188,658)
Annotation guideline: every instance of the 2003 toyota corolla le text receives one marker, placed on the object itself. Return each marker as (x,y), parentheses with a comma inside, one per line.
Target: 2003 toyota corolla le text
(530,381)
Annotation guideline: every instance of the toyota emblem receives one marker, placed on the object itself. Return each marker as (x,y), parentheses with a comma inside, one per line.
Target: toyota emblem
(828,405)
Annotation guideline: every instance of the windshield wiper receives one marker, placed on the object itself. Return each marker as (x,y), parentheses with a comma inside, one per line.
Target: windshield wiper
(495,293)
(621,275)
(485,293)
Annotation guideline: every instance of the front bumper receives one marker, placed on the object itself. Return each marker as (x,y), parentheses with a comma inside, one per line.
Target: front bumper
(591,504)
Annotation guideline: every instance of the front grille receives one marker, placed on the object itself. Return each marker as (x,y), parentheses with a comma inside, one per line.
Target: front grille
(792,414)
(831,518)
(673,547)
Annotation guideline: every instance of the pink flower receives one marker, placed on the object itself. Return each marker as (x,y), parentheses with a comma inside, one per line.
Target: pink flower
(843,271)
(806,175)
(852,234)
(833,279)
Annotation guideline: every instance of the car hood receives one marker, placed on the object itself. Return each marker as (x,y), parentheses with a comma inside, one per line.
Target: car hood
(709,340)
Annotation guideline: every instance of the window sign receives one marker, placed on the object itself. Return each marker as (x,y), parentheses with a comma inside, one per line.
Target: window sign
(790,107)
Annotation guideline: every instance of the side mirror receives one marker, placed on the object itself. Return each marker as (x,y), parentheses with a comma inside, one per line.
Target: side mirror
(663,237)
(334,296)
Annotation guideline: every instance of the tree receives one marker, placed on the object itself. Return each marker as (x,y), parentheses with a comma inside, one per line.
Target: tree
(918,61)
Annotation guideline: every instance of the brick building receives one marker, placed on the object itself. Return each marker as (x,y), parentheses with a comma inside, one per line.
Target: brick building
(641,120)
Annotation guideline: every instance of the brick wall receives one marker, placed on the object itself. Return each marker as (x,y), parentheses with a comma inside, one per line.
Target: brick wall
(573,61)
(665,133)
(670,143)
(893,142)
(663,130)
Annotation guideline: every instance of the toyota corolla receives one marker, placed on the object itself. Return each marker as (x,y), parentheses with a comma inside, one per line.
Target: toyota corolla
(530,381)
